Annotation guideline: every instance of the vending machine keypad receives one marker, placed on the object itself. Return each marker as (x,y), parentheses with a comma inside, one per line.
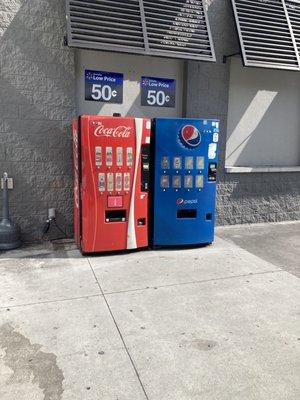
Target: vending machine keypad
(212,172)
(145,168)
(187,180)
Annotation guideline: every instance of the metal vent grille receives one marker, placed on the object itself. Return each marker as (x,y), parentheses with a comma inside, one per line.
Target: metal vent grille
(107,24)
(265,33)
(178,27)
(293,9)
(169,28)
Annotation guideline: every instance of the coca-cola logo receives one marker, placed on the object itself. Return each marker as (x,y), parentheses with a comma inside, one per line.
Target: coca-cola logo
(117,132)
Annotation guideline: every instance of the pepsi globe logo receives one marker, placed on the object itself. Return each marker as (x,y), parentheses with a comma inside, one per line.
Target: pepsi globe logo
(180,202)
(190,136)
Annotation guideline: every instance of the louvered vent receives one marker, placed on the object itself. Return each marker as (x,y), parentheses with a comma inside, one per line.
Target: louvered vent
(265,34)
(170,28)
(105,24)
(293,9)
(178,27)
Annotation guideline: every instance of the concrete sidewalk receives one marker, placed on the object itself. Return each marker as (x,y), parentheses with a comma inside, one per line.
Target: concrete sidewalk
(214,323)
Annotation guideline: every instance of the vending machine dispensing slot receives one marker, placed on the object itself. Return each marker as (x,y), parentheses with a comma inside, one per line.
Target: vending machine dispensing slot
(186,214)
(115,216)
(111,182)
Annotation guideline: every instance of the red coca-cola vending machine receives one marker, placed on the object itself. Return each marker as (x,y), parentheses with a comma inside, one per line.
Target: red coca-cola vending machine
(111,182)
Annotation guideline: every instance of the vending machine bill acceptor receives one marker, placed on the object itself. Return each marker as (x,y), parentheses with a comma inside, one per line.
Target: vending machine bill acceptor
(184,181)
(111,182)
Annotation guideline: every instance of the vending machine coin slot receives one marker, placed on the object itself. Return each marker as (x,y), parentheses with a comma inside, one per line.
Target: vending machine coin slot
(212,172)
(145,168)
(141,222)
(209,217)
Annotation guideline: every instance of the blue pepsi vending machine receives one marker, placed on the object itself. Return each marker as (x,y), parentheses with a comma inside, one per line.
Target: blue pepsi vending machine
(184,181)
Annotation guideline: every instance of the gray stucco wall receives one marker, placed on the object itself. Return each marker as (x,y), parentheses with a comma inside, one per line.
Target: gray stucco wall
(242,198)
(37,101)
(36,104)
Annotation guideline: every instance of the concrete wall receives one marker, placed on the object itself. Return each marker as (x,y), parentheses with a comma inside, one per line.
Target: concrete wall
(37,101)
(133,68)
(242,198)
(36,104)
(263,117)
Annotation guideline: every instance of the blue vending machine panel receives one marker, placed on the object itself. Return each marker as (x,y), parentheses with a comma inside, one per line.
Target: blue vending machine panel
(184,187)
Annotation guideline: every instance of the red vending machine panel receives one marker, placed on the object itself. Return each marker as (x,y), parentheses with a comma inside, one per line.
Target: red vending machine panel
(111,182)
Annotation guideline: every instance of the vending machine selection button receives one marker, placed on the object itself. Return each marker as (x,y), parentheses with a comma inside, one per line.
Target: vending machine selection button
(165,181)
(177,182)
(119,182)
(110,182)
(188,181)
(115,202)
(101,182)
(98,156)
(109,156)
(199,181)
(127,182)
(129,156)
(119,156)
(189,163)
(177,162)
(165,163)
(200,162)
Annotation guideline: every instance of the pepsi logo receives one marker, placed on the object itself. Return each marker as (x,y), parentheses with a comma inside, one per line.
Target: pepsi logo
(183,202)
(190,136)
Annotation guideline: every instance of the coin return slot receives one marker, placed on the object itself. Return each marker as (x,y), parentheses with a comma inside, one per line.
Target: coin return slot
(115,216)
(141,221)
(181,214)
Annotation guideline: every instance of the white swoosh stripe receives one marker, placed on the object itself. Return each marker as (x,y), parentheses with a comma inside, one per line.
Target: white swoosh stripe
(131,233)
